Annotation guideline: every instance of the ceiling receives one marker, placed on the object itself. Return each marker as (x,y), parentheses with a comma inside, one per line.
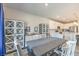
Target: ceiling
(61,12)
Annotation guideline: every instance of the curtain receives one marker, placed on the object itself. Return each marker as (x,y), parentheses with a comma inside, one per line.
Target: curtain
(2,41)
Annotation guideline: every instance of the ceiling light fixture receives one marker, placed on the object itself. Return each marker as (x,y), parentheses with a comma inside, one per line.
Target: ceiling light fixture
(75,23)
(46,4)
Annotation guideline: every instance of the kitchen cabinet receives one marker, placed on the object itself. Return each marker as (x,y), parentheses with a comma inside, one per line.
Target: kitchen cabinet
(43,28)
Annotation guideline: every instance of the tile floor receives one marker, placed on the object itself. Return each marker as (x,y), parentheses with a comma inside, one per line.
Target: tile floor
(77,51)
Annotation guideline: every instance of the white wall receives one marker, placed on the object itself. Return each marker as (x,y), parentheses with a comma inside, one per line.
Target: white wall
(66,26)
(31,20)
(53,25)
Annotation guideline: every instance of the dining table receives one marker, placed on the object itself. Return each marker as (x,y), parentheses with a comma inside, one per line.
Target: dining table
(43,45)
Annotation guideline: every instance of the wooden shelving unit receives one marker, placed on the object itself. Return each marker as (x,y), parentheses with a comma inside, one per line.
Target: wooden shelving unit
(14,30)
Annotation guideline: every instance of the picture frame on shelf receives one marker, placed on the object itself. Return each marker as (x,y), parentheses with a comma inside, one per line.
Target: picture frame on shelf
(35,29)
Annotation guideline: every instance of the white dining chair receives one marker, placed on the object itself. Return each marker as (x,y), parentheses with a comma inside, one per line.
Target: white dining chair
(18,48)
(68,49)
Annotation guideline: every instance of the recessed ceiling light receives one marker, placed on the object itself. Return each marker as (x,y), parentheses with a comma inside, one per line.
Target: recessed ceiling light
(57,16)
(46,4)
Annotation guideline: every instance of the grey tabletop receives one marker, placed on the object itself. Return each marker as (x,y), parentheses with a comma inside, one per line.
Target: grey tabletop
(34,43)
(41,46)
